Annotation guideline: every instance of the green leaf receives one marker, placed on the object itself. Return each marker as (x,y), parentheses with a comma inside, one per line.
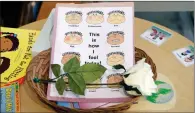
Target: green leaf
(159,82)
(164,91)
(76,83)
(72,65)
(91,72)
(119,66)
(56,69)
(60,85)
(152,98)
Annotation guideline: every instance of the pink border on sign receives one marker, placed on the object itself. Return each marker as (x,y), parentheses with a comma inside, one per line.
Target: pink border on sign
(52,50)
(94,100)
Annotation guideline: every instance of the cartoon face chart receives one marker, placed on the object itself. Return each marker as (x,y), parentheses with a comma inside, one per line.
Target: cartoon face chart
(114,78)
(116,17)
(73,17)
(115,58)
(100,35)
(95,17)
(68,55)
(73,38)
(115,38)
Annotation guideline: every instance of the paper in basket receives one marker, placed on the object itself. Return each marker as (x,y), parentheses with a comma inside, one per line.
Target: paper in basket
(94,36)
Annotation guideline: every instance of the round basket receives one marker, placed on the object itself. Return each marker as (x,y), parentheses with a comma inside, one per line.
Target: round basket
(39,67)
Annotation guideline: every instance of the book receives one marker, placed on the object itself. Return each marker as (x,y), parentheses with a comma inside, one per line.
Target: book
(16,45)
(105,40)
(10,99)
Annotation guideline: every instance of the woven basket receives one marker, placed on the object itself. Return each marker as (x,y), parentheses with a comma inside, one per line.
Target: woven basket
(39,67)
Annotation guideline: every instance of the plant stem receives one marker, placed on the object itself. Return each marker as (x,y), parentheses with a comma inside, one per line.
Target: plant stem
(53,81)
(59,76)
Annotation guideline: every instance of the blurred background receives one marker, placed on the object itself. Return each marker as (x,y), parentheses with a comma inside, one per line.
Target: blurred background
(178,16)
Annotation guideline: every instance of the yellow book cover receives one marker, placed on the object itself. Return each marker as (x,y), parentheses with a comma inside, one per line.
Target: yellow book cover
(16,54)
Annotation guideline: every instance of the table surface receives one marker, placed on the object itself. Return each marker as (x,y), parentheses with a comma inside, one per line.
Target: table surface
(181,77)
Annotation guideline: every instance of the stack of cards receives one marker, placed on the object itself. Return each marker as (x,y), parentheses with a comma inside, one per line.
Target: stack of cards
(156,35)
(185,55)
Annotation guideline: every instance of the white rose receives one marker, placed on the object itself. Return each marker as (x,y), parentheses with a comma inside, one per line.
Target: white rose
(140,76)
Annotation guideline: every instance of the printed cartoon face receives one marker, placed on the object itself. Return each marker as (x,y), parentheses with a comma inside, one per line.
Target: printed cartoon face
(73,17)
(115,38)
(9,42)
(94,86)
(73,38)
(114,78)
(68,55)
(6,44)
(116,17)
(95,17)
(115,58)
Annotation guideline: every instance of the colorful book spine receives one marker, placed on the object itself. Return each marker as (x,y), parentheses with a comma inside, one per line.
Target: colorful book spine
(10,99)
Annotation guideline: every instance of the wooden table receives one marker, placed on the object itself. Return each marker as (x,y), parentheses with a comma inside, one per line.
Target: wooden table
(181,77)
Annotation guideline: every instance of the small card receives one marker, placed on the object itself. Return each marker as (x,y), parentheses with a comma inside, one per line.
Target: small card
(156,35)
(185,55)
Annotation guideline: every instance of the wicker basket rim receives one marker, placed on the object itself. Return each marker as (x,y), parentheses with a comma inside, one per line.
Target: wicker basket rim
(36,66)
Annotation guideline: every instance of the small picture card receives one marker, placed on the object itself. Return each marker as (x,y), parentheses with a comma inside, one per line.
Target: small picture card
(156,35)
(185,55)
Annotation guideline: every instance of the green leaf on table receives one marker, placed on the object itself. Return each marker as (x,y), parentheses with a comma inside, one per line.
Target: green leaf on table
(91,72)
(164,91)
(152,98)
(60,85)
(72,65)
(55,69)
(119,66)
(159,82)
(76,83)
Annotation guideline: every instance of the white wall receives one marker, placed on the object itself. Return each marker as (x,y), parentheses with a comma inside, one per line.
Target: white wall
(164,6)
